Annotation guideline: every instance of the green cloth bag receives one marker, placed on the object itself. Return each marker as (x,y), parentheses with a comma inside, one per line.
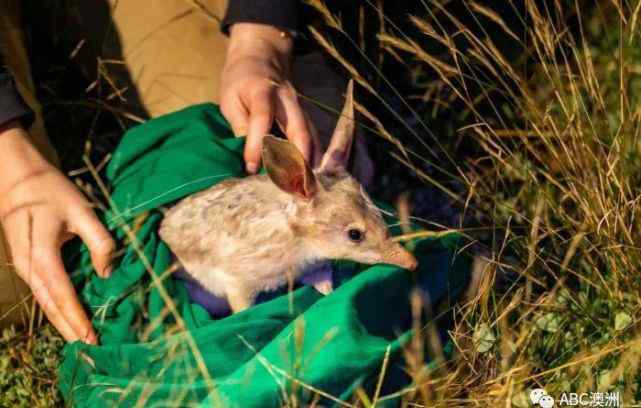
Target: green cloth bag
(275,352)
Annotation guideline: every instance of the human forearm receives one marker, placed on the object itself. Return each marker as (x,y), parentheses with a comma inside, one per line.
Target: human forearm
(283,14)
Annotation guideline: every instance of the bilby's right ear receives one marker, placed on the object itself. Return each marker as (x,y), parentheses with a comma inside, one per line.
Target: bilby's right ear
(287,167)
(336,157)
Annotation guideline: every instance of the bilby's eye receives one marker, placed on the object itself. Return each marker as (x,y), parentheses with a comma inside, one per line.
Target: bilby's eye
(355,235)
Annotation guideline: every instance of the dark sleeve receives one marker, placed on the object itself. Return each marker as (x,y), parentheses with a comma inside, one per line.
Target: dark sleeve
(12,106)
(279,13)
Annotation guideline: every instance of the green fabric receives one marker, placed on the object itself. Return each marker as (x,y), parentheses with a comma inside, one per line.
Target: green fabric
(334,343)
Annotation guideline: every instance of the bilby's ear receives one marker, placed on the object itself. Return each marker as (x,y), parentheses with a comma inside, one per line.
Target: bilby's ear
(336,157)
(286,167)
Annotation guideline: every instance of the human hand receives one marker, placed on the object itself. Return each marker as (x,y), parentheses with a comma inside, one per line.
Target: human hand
(40,209)
(256,90)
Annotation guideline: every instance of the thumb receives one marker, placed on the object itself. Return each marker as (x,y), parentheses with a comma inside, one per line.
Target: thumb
(100,243)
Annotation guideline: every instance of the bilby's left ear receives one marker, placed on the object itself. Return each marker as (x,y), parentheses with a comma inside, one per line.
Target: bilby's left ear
(336,157)
(287,168)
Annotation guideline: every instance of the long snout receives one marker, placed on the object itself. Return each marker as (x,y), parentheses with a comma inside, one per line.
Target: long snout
(399,256)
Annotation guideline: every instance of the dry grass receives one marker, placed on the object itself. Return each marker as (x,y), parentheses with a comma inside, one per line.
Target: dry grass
(557,182)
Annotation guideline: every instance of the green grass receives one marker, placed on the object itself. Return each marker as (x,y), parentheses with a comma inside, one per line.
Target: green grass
(28,365)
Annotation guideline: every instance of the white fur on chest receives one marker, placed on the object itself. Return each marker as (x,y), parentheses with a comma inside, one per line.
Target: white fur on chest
(269,274)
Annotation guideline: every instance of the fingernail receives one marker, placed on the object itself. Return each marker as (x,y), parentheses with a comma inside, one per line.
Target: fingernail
(91,338)
(107,272)
(252,168)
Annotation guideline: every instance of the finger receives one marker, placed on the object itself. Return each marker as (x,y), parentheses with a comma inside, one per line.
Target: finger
(31,265)
(53,288)
(56,317)
(290,114)
(236,114)
(261,117)
(100,243)
(17,232)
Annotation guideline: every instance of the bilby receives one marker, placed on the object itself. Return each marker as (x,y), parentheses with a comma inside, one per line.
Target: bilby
(248,235)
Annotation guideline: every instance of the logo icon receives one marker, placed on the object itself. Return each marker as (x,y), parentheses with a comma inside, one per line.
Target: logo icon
(539,397)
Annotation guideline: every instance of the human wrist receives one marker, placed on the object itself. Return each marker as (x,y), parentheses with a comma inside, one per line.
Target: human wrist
(19,158)
(259,41)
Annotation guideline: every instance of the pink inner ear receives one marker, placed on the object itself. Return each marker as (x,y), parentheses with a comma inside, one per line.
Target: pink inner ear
(287,168)
(296,185)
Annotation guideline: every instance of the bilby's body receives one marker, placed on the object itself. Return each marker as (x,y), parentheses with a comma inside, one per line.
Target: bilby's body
(245,236)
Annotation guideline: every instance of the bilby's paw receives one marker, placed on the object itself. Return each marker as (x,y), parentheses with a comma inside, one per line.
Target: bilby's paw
(319,275)
(325,287)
